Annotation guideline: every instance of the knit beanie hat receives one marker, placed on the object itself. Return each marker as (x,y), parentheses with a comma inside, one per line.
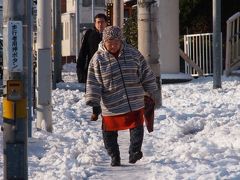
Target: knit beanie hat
(112,32)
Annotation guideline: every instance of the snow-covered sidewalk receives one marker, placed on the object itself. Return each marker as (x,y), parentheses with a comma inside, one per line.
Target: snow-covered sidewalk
(196,136)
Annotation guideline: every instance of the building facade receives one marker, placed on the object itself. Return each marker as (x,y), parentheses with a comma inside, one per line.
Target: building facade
(86,15)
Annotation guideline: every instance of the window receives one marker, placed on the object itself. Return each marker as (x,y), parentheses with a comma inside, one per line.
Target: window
(97,3)
(86,3)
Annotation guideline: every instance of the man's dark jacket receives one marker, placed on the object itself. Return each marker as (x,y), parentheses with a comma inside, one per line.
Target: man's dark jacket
(89,46)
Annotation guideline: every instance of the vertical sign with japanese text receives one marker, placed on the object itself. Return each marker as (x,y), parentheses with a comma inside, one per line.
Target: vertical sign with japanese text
(15,46)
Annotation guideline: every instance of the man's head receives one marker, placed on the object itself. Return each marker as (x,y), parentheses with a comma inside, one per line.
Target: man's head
(100,21)
(112,38)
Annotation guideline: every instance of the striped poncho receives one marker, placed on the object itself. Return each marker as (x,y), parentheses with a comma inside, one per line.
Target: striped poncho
(118,84)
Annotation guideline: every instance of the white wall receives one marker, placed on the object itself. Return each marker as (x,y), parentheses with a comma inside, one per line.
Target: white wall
(70,5)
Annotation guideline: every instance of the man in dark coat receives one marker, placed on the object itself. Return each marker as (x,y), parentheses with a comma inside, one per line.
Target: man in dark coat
(89,46)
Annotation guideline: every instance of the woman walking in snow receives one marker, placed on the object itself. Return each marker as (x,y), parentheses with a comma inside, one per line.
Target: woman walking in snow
(118,79)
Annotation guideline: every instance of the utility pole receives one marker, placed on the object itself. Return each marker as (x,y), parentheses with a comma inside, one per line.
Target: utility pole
(57,41)
(148,40)
(217,53)
(16,56)
(44,66)
(77,27)
(118,13)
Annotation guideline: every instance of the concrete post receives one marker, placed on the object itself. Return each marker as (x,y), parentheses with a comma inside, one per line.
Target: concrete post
(118,13)
(44,66)
(169,36)
(148,41)
(16,59)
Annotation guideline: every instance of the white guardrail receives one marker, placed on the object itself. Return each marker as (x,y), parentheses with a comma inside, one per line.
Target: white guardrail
(198,47)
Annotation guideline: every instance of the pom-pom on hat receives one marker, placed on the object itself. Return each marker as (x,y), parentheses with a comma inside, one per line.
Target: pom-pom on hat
(112,32)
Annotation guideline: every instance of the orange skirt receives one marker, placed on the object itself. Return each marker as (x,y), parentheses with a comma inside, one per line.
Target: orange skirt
(124,121)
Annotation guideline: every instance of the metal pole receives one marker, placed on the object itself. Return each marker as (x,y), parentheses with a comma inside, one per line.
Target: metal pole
(30,71)
(77,27)
(147,41)
(54,82)
(80,22)
(44,66)
(93,9)
(57,42)
(217,54)
(16,56)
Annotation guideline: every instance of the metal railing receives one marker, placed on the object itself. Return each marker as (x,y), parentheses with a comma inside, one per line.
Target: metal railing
(198,47)
(233,44)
